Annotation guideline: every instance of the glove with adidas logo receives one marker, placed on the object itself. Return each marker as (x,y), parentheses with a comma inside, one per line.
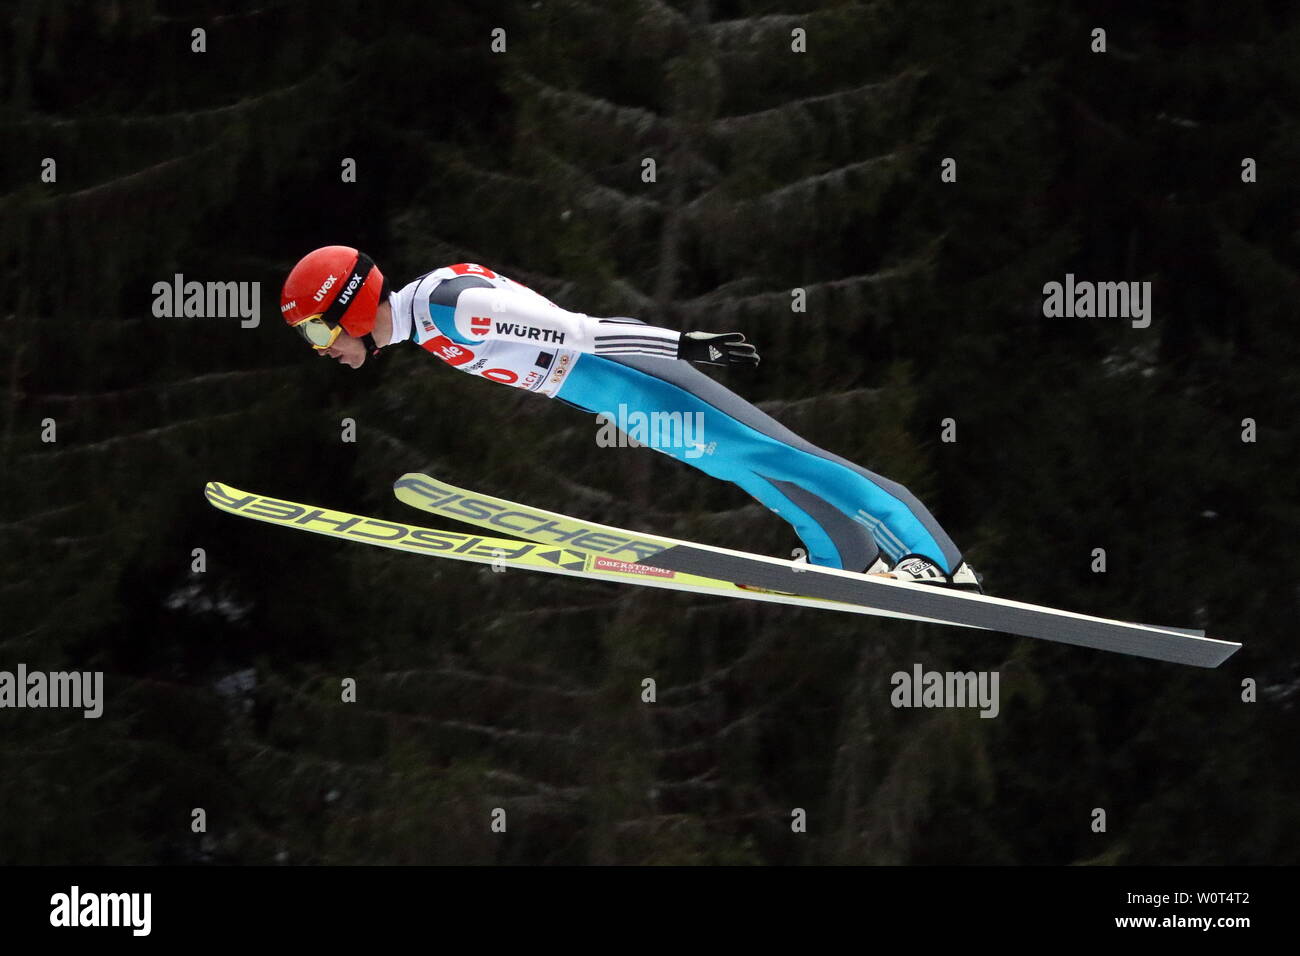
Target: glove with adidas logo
(717,348)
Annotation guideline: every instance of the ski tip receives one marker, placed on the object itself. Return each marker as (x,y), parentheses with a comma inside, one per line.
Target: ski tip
(218,494)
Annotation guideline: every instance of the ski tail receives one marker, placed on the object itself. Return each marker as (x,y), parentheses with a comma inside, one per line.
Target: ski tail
(949,606)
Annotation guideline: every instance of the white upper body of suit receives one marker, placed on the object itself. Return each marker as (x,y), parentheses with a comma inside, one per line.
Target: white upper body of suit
(486,324)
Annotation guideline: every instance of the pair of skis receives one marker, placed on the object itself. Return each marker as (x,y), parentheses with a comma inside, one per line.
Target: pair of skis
(554,543)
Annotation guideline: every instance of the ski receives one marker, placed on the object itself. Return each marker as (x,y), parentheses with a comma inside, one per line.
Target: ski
(880,596)
(499,552)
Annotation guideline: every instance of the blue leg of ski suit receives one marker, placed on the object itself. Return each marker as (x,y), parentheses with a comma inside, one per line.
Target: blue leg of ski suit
(843,513)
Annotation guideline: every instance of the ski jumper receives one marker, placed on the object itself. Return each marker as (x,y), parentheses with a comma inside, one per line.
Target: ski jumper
(485,324)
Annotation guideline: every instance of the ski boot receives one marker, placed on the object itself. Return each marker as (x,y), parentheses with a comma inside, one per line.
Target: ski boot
(915,569)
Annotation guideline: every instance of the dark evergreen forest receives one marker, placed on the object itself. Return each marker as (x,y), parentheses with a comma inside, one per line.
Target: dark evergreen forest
(1172,158)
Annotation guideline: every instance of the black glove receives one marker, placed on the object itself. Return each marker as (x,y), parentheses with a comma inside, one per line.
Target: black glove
(717,348)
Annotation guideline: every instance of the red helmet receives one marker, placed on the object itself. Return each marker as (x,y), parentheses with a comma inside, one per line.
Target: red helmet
(336,285)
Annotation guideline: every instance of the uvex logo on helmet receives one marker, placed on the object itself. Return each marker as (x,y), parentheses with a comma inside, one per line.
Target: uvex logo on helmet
(346,295)
(325,287)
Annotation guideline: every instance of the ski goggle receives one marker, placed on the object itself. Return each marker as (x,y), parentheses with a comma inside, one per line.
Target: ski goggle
(319,335)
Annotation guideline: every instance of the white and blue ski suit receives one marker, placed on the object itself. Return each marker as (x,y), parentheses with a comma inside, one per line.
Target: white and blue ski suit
(488,325)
